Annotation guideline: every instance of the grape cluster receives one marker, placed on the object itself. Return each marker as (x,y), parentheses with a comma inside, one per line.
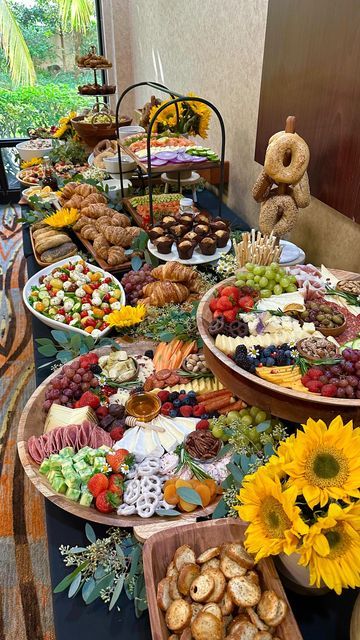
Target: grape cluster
(134,281)
(69,385)
(271,280)
(340,380)
(271,356)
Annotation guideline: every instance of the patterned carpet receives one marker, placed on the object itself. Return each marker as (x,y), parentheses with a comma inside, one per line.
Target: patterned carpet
(25,591)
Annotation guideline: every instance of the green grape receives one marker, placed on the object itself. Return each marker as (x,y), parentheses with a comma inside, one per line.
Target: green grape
(250,266)
(246,421)
(261,417)
(217,432)
(256,286)
(291,288)
(233,415)
(292,279)
(274,266)
(250,283)
(257,278)
(241,275)
(264,282)
(254,410)
(259,271)
(244,412)
(278,290)
(284,282)
(265,293)
(254,435)
(278,277)
(271,284)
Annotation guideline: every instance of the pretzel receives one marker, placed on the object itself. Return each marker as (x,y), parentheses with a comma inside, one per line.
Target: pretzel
(278,215)
(146,505)
(126,509)
(150,484)
(148,467)
(275,157)
(169,465)
(132,491)
(132,473)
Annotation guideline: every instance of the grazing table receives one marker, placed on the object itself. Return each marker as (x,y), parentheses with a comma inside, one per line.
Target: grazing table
(321,617)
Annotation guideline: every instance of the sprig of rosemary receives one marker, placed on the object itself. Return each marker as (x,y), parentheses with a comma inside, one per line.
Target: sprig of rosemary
(350,298)
(185,459)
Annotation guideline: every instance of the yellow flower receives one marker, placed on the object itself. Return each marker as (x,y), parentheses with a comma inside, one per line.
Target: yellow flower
(204,125)
(326,462)
(168,116)
(66,119)
(127,316)
(198,107)
(276,463)
(331,548)
(60,131)
(62,218)
(275,522)
(31,163)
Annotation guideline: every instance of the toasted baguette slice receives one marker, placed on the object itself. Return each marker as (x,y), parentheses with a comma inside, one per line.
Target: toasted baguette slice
(207,555)
(187,575)
(244,630)
(196,607)
(253,576)
(213,608)
(178,615)
(226,605)
(184,555)
(206,627)
(219,585)
(280,614)
(172,570)
(173,589)
(163,597)
(244,592)
(263,635)
(241,617)
(267,608)
(237,552)
(202,587)
(214,563)
(256,620)
(186,634)
(230,568)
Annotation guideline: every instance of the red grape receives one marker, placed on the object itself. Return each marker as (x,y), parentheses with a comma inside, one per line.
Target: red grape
(63,399)
(85,386)
(47,404)
(77,378)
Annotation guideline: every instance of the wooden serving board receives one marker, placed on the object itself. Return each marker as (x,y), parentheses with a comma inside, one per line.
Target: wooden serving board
(48,264)
(104,265)
(159,551)
(171,167)
(32,422)
(279,401)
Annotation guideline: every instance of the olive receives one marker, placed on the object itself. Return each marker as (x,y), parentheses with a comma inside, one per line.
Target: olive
(320,317)
(326,322)
(339,320)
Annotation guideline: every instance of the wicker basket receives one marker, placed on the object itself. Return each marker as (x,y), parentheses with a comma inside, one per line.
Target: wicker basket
(92,132)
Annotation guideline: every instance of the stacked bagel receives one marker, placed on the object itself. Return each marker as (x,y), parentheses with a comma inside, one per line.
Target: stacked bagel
(282,187)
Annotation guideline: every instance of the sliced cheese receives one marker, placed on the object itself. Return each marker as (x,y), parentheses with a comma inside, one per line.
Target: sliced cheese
(280,302)
(228,345)
(168,440)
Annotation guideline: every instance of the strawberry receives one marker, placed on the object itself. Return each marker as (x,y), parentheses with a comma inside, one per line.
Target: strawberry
(198,410)
(101,412)
(224,303)
(218,313)
(166,408)
(88,399)
(117,433)
(202,425)
(92,358)
(213,304)
(115,460)
(186,411)
(231,291)
(116,483)
(107,501)
(163,395)
(246,303)
(84,361)
(97,484)
(230,315)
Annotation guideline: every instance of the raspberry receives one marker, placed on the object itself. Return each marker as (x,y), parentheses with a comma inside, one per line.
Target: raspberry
(186,411)
(166,408)
(329,390)
(117,433)
(314,385)
(163,395)
(198,410)
(202,425)
(315,374)
(182,397)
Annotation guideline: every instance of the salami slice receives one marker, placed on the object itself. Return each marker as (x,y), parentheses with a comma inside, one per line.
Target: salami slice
(163,374)
(172,380)
(160,384)
(34,449)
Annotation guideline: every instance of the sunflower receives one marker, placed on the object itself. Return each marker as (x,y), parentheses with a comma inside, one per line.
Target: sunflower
(60,131)
(326,462)
(127,316)
(331,548)
(276,463)
(31,163)
(275,522)
(167,117)
(62,218)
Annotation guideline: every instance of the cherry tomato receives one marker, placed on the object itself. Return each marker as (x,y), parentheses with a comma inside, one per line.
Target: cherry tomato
(106,297)
(103,326)
(95,285)
(90,322)
(108,280)
(61,311)
(83,314)
(63,277)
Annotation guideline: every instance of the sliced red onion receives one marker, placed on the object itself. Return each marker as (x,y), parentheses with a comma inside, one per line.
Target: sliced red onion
(190,158)
(166,155)
(157,162)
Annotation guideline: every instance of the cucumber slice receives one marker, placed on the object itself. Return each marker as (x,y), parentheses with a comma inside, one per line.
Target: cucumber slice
(43,294)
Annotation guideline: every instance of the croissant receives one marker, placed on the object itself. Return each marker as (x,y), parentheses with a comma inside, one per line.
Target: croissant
(85,190)
(68,190)
(162,293)
(75,202)
(101,247)
(95,210)
(81,222)
(116,255)
(174,271)
(120,220)
(89,232)
(102,222)
(121,237)
(93,198)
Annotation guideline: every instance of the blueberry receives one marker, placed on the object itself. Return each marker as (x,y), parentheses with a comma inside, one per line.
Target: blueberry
(266,352)
(173,413)
(177,403)
(205,416)
(287,353)
(191,394)
(173,396)
(149,354)
(270,362)
(191,402)
(256,362)
(182,391)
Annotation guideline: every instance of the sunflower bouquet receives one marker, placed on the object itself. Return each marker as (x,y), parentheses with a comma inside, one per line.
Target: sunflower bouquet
(305,500)
(193,118)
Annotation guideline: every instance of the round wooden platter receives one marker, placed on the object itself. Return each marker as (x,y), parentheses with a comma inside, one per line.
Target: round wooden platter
(284,403)
(32,423)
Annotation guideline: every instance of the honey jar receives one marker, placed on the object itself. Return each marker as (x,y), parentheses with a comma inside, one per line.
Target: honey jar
(143,406)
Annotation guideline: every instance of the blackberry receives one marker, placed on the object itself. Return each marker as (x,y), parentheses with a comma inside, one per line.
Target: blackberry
(149,353)
(173,396)
(95,368)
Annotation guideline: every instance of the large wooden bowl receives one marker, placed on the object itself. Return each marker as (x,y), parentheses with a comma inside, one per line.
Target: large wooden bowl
(159,550)
(281,402)
(32,423)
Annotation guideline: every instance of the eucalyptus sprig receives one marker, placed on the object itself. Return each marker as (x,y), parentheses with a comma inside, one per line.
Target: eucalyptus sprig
(163,324)
(104,568)
(67,346)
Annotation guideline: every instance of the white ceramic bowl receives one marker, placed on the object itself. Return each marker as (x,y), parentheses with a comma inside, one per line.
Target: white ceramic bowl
(54,324)
(131,130)
(114,187)
(29,154)
(112,164)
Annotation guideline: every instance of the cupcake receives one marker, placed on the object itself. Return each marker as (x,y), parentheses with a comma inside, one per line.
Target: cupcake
(202,230)
(221,236)
(202,218)
(208,246)
(179,230)
(164,244)
(155,233)
(218,224)
(168,221)
(187,219)
(185,249)
(191,235)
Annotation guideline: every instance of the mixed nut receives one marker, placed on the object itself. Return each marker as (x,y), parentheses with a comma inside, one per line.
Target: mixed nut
(317,348)
(195,363)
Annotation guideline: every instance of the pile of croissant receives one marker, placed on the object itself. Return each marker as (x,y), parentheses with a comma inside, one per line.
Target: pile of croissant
(175,283)
(109,231)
